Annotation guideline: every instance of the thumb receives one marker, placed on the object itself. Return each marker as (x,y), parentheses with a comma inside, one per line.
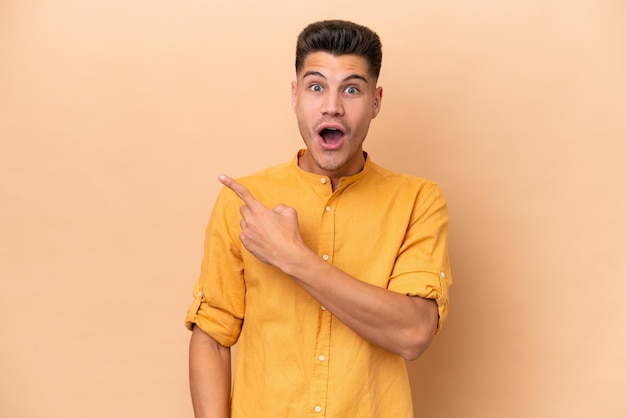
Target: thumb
(282,209)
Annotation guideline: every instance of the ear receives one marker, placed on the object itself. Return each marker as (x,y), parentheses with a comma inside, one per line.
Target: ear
(294,92)
(378,100)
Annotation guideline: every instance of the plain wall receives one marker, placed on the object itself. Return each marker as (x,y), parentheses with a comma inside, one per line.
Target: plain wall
(116,117)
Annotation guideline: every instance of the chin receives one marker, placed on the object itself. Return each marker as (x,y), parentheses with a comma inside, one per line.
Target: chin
(330,165)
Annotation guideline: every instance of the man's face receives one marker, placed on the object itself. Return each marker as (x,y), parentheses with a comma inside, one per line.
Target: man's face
(335,98)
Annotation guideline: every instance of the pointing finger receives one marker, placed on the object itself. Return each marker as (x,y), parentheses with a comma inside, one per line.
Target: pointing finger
(243,193)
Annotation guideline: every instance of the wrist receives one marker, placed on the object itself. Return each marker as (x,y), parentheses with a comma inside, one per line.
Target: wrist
(305,267)
(300,259)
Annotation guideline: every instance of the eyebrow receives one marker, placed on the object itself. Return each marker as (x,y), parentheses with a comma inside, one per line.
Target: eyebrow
(348,78)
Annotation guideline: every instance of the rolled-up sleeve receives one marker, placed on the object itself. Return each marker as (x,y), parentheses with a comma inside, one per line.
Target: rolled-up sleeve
(422,266)
(219,293)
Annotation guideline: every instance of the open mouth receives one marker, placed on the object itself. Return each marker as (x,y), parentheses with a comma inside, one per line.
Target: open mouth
(331,136)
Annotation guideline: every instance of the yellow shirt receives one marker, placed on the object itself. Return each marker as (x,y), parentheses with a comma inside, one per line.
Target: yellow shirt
(295,359)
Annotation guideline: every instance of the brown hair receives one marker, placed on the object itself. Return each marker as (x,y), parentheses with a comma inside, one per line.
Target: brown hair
(340,37)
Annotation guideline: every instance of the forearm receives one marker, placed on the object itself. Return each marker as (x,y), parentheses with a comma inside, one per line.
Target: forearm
(209,376)
(402,324)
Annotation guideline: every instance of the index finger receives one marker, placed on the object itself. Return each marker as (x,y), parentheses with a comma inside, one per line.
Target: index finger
(243,193)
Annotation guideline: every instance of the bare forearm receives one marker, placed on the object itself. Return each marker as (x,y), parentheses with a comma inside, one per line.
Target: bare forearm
(209,376)
(402,324)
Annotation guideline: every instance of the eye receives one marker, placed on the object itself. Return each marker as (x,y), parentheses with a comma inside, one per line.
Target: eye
(315,87)
(351,90)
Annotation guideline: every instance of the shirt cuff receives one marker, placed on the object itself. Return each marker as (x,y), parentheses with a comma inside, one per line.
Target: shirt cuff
(217,323)
(426,285)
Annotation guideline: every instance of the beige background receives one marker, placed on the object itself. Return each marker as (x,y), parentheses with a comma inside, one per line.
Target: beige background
(117,116)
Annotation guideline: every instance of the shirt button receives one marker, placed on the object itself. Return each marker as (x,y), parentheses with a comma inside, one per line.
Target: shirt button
(328,208)
(325,257)
(321,357)
(323,180)
(318,408)
(442,275)
(199,294)
(323,307)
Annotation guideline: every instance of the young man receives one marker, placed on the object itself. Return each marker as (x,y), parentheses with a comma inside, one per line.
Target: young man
(328,270)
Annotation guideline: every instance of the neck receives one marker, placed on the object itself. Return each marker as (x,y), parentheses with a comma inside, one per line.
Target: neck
(308,164)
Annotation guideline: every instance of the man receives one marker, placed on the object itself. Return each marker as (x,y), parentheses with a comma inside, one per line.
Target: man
(328,270)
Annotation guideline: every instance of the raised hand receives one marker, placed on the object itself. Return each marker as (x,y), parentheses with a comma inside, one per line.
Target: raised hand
(272,235)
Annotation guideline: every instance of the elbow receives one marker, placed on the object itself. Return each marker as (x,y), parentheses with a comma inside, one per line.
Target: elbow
(416,344)
(419,335)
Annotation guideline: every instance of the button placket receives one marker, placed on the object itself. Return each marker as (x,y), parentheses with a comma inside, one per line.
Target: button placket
(319,384)
(321,362)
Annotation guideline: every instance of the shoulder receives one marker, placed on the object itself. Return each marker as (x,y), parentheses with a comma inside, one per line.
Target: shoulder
(272,181)
(268,185)
(403,183)
(273,174)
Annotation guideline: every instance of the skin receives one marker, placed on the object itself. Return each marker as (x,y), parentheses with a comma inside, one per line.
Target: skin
(209,376)
(338,92)
(330,92)
(399,323)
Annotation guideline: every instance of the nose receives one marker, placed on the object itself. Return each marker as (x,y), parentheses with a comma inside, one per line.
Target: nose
(332,105)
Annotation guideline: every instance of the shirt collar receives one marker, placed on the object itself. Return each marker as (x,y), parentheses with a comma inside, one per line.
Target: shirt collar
(318,179)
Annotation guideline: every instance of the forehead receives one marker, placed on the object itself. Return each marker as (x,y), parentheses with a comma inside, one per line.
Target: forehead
(334,65)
